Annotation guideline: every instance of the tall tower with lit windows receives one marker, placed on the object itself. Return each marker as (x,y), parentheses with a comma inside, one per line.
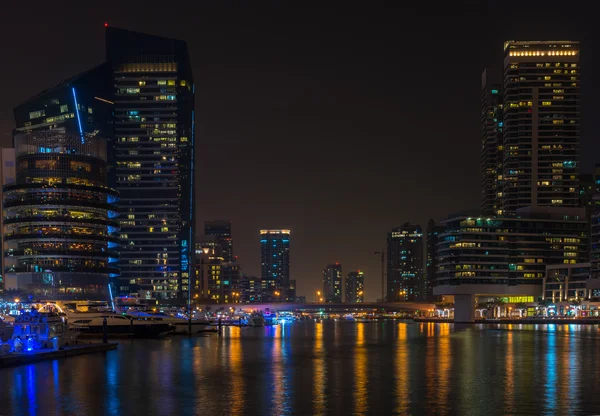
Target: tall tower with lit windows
(152,163)
(541,131)
(275,265)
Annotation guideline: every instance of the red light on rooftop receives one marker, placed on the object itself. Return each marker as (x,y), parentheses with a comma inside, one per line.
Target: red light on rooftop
(105,24)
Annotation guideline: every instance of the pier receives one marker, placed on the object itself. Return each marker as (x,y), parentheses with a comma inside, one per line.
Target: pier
(13,359)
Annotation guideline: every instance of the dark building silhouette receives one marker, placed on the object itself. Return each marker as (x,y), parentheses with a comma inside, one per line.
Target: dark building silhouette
(491,144)
(433,232)
(221,230)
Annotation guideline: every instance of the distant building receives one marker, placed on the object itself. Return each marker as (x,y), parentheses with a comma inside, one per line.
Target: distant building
(275,264)
(507,255)
(255,289)
(221,230)
(491,144)
(332,283)
(354,287)
(541,131)
(433,232)
(405,264)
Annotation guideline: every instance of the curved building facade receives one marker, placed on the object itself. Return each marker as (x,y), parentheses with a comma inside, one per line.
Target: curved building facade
(60,227)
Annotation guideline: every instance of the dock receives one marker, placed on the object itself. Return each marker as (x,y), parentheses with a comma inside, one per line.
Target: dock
(14,359)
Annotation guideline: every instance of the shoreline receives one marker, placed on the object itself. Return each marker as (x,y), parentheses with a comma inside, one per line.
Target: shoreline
(528,321)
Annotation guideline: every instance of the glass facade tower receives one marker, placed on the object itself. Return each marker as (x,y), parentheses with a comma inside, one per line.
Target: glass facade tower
(541,131)
(275,265)
(152,161)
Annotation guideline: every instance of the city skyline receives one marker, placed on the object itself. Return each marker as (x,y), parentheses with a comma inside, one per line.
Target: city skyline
(298,190)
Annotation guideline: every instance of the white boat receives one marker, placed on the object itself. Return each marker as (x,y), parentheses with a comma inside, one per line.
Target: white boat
(121,325)
(181,323)
(35,330)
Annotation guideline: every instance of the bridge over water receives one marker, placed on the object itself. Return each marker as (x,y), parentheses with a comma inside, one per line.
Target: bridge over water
(371,306)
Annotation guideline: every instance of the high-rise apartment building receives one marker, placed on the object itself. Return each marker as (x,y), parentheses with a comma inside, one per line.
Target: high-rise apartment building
(541,130)
(275,265)
(152,162)
(595,225)
(433,232)
(221,230)
(405,263)
(491,144)
(60,228)
(332,283)
(507,255)
(354,287)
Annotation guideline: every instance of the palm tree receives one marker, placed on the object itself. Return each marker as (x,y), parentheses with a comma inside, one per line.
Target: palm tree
(497,303)
(544,303)
(521,307)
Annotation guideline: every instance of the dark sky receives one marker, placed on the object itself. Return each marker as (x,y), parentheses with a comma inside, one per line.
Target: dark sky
(336,122)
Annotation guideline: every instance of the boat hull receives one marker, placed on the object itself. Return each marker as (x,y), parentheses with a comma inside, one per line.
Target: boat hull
(138,330)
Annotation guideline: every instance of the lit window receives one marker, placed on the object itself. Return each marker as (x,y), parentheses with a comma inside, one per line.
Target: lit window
(133,90)
(171,82)
(64,108)
(36,114)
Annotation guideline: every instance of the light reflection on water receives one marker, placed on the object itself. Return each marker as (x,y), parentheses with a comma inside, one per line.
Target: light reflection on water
(324,368)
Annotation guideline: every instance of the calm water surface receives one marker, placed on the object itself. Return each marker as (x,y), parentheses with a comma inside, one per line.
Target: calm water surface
(334,367)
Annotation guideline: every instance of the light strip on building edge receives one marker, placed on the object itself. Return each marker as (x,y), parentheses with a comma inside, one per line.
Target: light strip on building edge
(77,112)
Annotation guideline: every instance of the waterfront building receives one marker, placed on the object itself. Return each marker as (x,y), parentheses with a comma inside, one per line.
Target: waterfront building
(7,177)
(354,287)
(433,232)
(59,220)
(152,160)
(332,283)
(491,144)
(405,264)
(507,255)
(59,227)
(255,289)
(275,264)
(566,282)
(541,124)
(221,231)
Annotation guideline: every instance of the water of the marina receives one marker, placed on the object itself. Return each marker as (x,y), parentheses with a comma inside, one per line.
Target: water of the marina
(334,367)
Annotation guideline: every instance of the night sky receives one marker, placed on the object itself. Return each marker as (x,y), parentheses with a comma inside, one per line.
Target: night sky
(338,123)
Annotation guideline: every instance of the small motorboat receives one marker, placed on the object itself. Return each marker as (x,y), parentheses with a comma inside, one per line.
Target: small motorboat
(121,325)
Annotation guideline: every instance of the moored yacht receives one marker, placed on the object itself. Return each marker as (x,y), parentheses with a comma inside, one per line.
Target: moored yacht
(181,323)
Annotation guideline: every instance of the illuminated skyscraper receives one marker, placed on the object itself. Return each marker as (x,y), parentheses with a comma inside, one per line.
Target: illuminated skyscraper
(491,145)
(332,283)
(354,287)
(405,263)
(152,162)
(541,130)
(59,229)
(275,265)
